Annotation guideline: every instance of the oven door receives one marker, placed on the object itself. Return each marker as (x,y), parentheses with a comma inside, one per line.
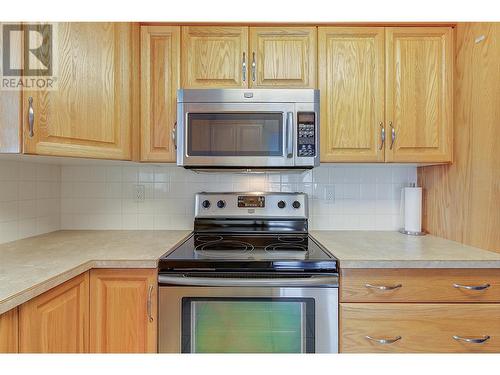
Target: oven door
(236,135)
(244,319)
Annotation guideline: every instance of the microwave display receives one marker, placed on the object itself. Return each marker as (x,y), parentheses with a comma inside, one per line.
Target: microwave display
(248,201)
(306,134)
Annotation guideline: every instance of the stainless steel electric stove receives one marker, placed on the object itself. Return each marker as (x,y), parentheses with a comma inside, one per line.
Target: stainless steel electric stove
(249,279)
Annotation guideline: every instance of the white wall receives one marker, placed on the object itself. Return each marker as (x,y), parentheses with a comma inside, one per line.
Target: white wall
(366,197)
(29,199)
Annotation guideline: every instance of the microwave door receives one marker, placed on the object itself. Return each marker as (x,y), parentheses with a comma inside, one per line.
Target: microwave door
(237,135)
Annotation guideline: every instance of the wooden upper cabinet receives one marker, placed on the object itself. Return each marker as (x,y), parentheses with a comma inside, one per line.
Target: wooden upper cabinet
(57,321)
(284,57)
(213,57)
(9,326)
(10,102)
(160,76)
(351,82)
(419,94)
(123,310)
(89,114)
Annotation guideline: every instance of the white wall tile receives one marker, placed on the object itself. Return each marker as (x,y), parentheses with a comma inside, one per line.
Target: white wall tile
(30,199)
(113,174)
(9,211)
(145,221)
(365,197)
(27,228)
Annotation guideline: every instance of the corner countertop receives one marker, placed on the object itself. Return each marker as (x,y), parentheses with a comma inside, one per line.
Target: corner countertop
(31,266)
(383,249)
(34,265)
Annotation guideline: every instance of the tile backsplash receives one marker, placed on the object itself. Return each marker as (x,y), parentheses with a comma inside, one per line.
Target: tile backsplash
(37,198)
(30,199)
(348,196)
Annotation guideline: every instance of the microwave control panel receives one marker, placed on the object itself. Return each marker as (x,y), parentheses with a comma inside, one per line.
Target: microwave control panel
(306,134)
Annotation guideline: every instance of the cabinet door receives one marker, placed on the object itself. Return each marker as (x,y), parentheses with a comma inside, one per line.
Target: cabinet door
(57,321)
(10,103)
(9,327)
(351,81)
(282,57)
(214,57)
(123,310)
(419,94)
(89,114)
(160,59)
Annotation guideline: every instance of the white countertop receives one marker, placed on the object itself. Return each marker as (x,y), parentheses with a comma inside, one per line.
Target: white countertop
(383,249)
(31,266)
(34,265)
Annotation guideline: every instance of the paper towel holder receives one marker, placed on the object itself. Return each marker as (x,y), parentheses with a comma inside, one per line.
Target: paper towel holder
(409,232)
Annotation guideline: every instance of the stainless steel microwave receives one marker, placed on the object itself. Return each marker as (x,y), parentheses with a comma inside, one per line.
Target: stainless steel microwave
(247,129)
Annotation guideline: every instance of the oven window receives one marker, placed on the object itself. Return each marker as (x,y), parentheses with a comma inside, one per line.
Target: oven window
(235,134)
(247,325)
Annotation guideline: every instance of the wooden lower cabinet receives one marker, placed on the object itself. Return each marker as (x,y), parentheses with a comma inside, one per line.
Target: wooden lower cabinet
(57,321)
(123,310)
(436,328)
(9,326)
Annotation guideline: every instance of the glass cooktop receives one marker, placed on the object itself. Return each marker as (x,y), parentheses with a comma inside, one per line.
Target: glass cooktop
(248,251)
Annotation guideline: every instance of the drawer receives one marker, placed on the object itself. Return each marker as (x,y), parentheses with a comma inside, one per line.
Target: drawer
(420,285)
(411,328)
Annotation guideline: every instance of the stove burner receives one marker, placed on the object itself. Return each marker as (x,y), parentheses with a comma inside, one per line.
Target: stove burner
(283,246)
(207,238)
(288,239)
(224,248)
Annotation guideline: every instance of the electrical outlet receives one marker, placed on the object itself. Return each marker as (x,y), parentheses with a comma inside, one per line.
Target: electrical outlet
(140,193)
(330,193)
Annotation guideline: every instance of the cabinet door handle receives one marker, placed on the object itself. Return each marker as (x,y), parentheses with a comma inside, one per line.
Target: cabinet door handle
(150,303)
(472,340)
(384,341)
(393,135)
(253,66)
(382,135)
(244,67)
(383,287)
(174,135)
(31,117)
(472,287)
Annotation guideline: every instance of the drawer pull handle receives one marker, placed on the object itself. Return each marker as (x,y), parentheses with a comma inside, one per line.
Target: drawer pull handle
(472,287)
(384,341)
(471,339)
(383,287)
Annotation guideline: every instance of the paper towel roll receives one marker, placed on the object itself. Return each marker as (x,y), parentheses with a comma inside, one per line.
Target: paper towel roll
(413,209)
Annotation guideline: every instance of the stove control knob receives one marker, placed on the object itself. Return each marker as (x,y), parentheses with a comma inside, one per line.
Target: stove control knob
(205,204)
(281,204)
(296,204)
(221,204)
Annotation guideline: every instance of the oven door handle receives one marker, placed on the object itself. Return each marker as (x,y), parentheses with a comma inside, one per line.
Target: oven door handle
(331,281)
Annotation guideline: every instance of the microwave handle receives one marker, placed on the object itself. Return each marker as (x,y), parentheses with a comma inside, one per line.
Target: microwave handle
(289,134)
(174,135)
